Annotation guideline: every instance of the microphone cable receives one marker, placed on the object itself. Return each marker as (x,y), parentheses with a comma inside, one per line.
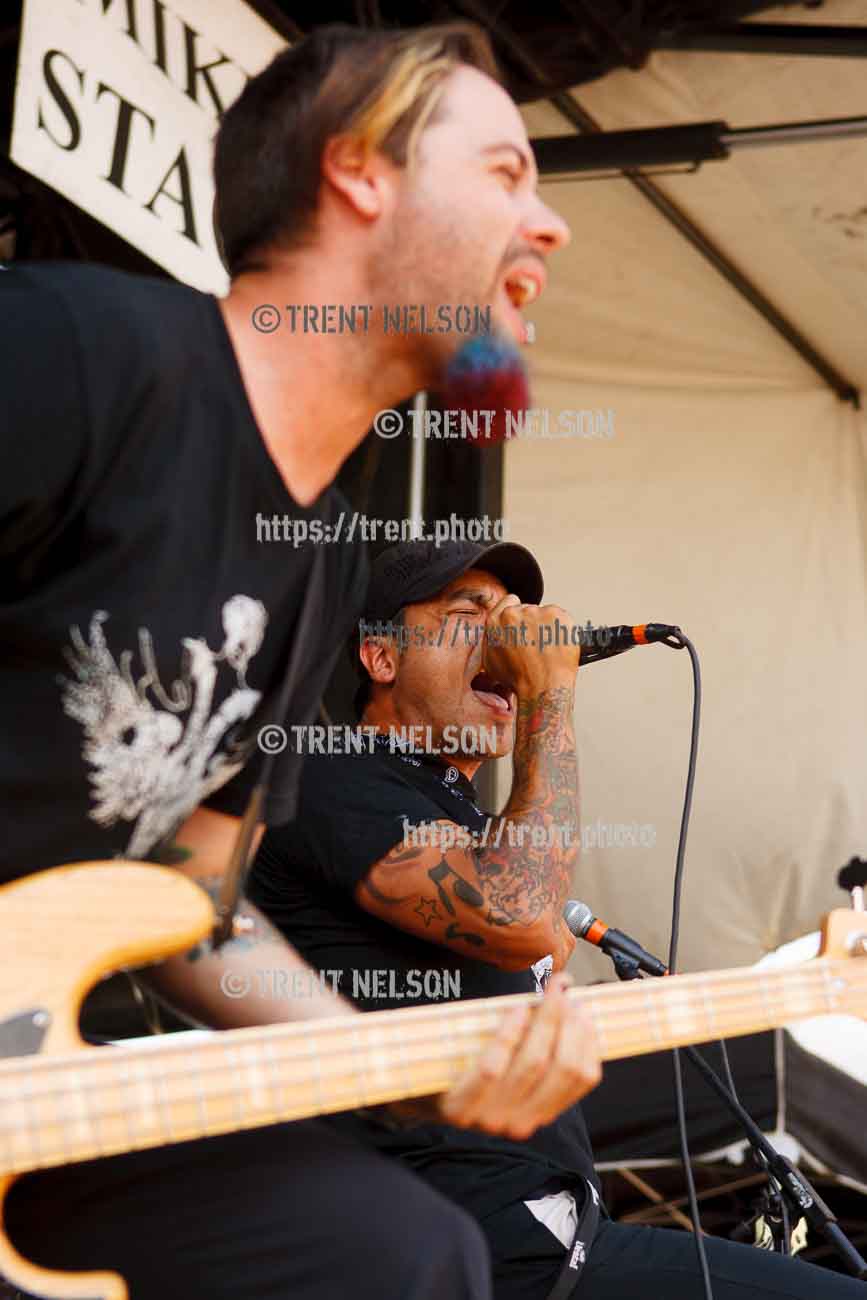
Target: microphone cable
(679,640)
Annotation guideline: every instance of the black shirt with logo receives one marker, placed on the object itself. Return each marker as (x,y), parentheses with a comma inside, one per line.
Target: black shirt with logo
(145,622)
(352,810)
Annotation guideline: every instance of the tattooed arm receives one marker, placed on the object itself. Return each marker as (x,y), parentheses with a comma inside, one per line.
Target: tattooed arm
(243,982)
(553,1046)
(501,902)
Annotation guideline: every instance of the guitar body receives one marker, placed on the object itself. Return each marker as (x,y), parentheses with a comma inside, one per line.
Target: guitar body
(63,930)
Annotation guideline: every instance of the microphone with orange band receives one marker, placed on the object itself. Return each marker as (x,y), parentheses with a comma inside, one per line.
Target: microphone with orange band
(584,925)
(603,642)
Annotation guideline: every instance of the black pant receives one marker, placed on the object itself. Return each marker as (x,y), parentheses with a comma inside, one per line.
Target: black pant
(294,1212)
(629,1262)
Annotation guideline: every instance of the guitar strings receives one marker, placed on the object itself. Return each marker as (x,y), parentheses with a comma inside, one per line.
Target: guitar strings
(161,1132)
(619,1022)
(617,1018)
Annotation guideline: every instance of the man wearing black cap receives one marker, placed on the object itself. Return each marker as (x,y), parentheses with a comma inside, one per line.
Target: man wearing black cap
(397,924)
(466,908)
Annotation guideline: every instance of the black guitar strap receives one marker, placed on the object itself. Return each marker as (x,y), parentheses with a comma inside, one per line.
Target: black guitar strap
(579,1247)
(307,632)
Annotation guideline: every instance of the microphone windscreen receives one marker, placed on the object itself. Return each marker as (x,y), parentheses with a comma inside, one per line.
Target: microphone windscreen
(578,917)
(487,374)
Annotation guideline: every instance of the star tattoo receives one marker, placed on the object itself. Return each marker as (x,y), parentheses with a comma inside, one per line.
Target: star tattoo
(428,911)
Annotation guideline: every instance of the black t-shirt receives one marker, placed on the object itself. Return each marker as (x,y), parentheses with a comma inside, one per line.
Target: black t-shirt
(351,810)
(144,630)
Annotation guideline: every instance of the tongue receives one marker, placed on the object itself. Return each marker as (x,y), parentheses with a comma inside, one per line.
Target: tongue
(493,700)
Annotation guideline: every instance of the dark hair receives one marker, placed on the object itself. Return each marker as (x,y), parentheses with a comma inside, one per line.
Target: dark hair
(381,86)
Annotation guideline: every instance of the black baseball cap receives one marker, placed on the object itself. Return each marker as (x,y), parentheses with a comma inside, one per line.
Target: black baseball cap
(411,572)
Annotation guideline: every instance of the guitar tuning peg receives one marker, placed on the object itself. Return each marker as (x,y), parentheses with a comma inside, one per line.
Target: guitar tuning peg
(853,878)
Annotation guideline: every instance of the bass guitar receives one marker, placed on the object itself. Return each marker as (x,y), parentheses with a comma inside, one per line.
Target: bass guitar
(63,1101)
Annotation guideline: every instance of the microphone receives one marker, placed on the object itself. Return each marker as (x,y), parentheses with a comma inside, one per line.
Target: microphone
(584,925)
(603,642)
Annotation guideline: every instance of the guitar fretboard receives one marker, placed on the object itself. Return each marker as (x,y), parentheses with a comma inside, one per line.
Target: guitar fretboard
(106,1101)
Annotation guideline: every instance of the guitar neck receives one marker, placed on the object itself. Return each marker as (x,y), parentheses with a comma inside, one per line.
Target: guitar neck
(55,1110)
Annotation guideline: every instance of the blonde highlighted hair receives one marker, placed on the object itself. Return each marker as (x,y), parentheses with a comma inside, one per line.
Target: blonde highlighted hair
(409,96)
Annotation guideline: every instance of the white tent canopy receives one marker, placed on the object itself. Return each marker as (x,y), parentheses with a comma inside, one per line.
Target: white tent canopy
(732,500)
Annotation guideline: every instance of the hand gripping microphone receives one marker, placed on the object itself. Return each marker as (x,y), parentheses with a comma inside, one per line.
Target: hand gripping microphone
(584,925)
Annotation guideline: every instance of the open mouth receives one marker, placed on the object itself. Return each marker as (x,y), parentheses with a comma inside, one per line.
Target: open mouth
(519,290)
(495,695)
(522,290)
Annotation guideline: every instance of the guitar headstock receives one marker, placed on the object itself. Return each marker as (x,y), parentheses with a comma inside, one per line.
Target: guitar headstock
(844,934)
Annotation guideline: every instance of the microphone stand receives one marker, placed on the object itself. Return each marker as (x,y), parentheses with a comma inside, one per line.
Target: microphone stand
(794,1186)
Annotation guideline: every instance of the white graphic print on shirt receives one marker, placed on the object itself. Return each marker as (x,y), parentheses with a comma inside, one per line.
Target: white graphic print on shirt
(152,767)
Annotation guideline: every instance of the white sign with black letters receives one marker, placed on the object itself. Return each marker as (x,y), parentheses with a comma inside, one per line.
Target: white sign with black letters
(116,106)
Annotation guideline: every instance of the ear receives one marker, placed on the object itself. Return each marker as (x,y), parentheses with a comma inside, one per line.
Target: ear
(379,656)
(357,173)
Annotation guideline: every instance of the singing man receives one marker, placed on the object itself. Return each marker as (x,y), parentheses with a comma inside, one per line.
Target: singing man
(461,649)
